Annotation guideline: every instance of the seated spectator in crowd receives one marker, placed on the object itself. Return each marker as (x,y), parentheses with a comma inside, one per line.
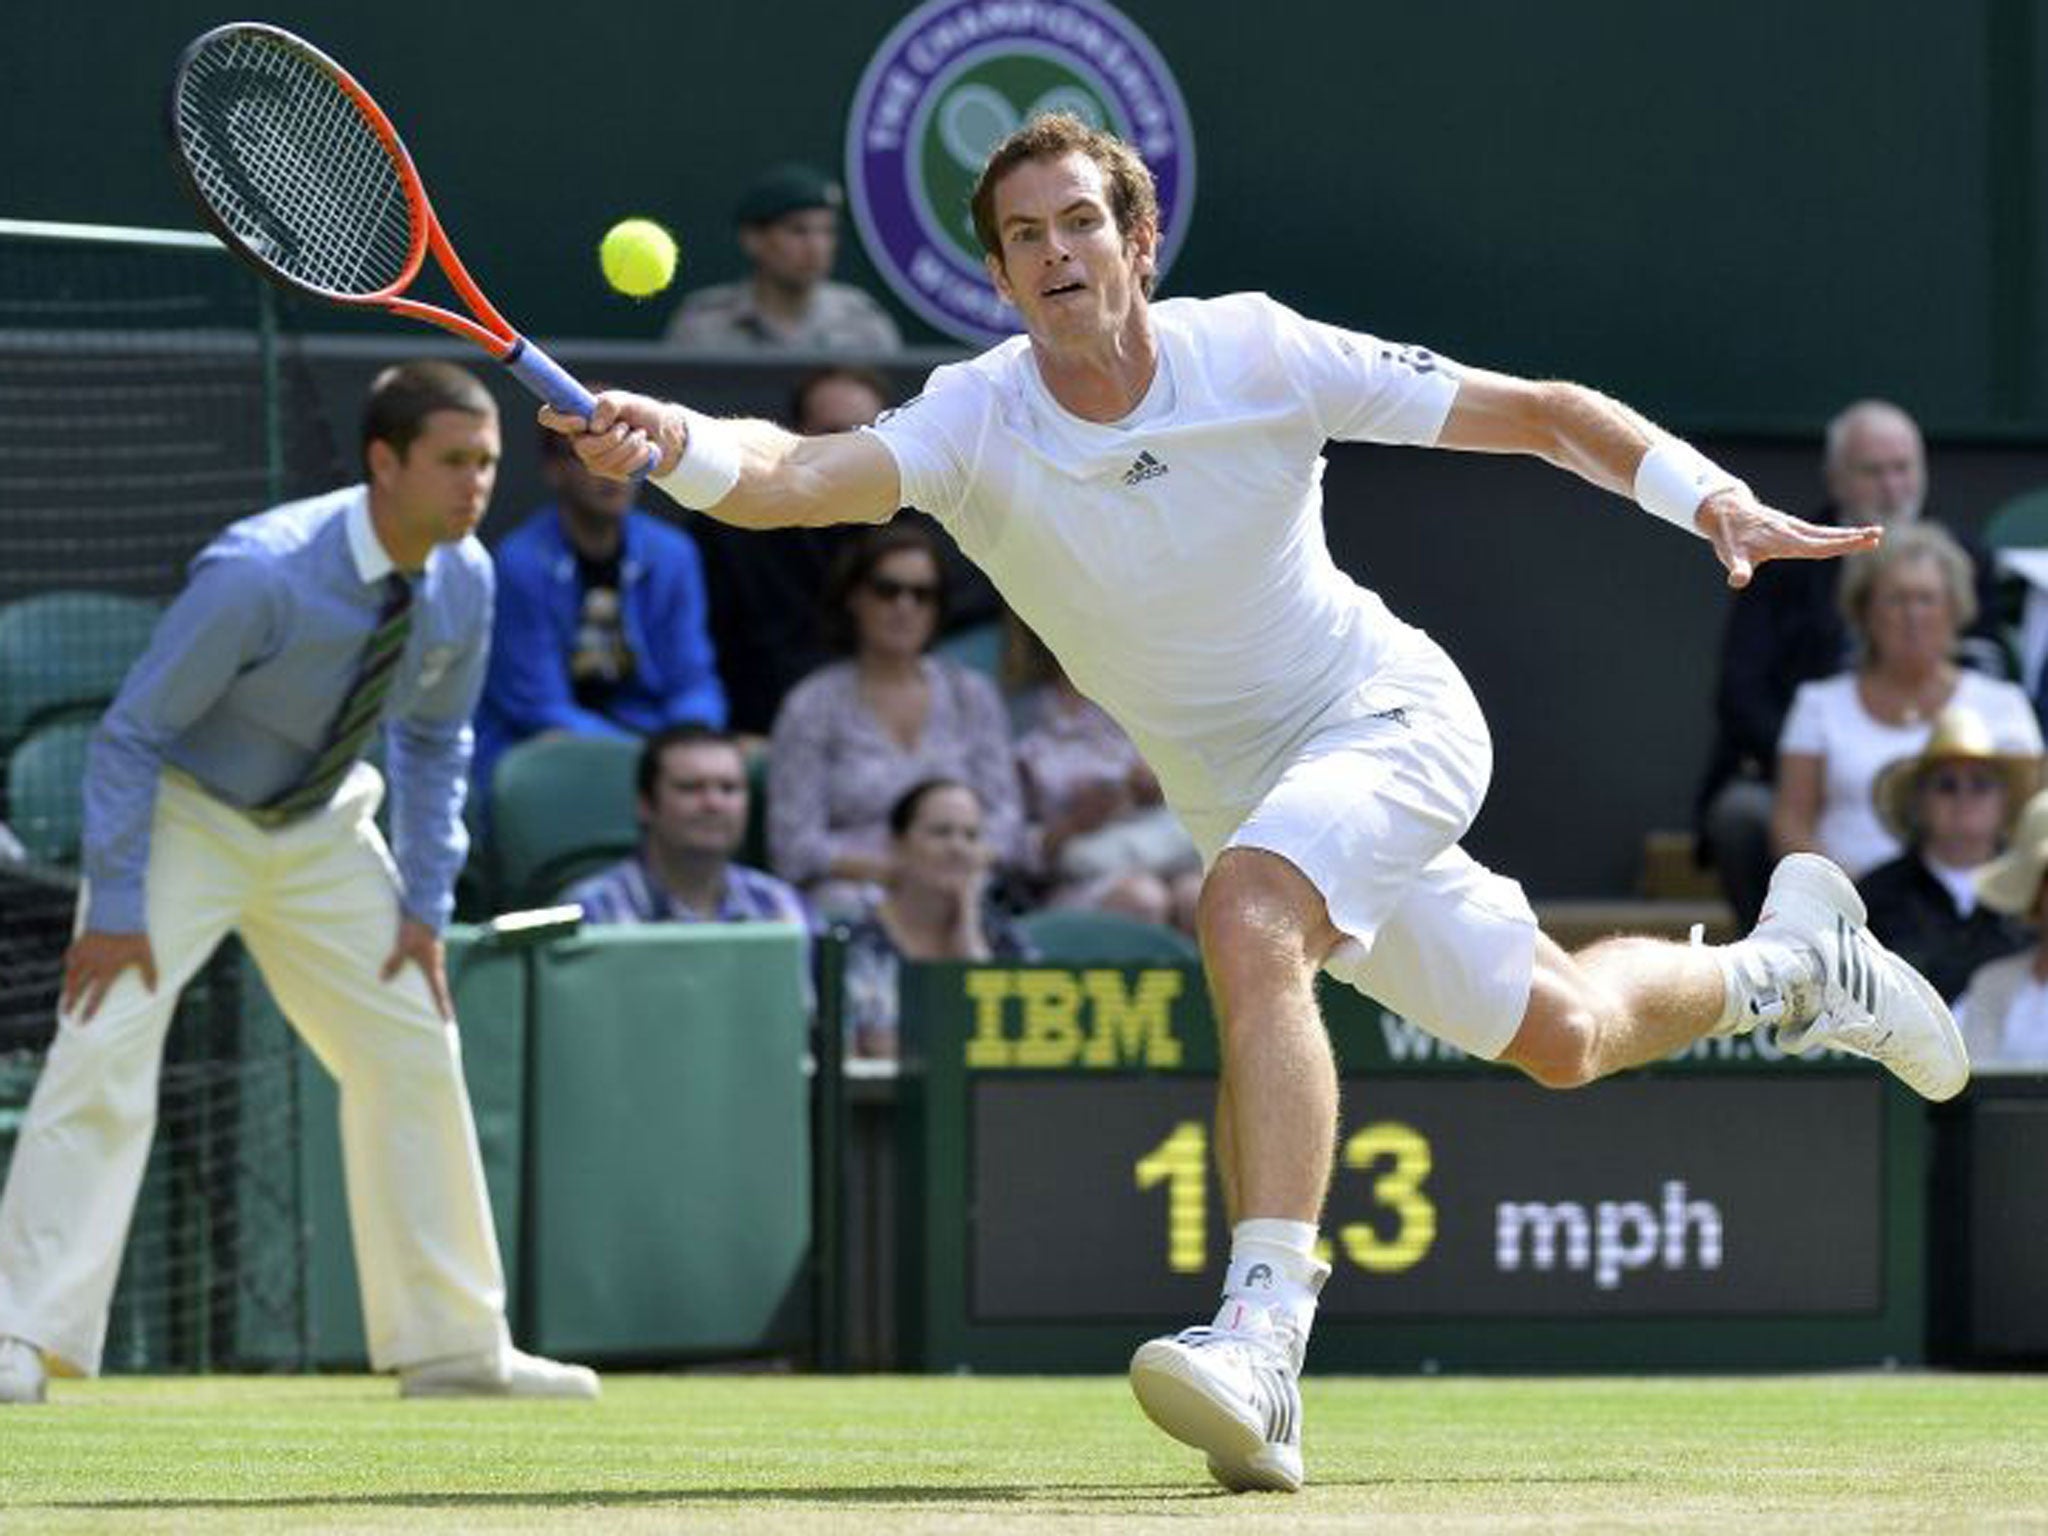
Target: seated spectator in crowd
(601,626)
(1098,828)
(768,588)
(788,224)
(1786,628)
(855,734)
(1952,806)
(692,805)
(2004,1011)
(1906,602)
(933,906)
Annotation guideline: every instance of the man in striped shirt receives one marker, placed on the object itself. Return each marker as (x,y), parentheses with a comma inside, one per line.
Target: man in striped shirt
(226,791)
(692,783)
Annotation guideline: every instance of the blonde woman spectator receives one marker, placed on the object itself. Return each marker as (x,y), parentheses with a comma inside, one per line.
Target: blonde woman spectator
(2004,1011)
(1906,602)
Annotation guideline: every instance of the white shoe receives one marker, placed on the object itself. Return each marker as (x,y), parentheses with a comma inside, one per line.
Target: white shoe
(496,1373)
(1231,1393)
(22,1377)
(1864,999)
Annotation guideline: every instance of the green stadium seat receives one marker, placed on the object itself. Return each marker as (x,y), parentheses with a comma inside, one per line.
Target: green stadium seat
(2021,523)
(561,806)
(754,846)
(45,801)
(1077,935)
(978,648)
(63,654)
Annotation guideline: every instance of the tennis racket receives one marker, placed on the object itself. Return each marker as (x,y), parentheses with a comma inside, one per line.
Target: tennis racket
(304,177)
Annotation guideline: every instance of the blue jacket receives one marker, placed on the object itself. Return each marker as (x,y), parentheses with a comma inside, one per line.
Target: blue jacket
(664,616)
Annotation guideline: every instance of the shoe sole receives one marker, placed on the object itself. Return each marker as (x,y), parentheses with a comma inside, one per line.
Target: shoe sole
(1175,1396)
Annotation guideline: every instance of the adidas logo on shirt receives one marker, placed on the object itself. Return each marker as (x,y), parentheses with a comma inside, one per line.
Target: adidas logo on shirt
(1144,467)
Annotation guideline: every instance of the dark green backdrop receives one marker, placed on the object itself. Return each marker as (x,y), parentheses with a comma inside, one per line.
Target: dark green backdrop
(1735,214)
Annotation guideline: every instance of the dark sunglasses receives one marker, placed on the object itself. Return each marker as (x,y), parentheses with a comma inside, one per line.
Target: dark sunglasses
(1948,783)
(924,593)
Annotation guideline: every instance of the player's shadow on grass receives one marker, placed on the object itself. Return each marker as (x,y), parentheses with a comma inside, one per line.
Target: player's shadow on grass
(1011,1493)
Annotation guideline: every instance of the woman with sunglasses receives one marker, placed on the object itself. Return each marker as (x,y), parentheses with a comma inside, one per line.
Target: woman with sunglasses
(854,735)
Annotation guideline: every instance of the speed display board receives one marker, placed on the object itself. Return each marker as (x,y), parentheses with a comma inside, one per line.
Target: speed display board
(1725,1209)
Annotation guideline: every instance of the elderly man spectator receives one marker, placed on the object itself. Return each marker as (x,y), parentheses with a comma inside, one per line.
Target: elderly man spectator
(1786,629)
(692,804)
(789,229)
(1952,806)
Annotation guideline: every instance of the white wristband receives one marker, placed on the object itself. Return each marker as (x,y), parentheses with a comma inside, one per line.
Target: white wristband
(710,464)
(1675,477)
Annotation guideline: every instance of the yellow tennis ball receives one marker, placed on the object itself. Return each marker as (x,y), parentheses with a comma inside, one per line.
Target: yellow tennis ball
(638,257)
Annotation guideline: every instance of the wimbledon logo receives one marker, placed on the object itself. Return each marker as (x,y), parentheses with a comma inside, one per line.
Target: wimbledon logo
(954,78)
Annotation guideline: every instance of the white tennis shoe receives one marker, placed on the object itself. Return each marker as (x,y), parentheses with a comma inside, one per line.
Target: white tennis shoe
(1856,996)
(1232,1393)
(498,1373)
(22,1376)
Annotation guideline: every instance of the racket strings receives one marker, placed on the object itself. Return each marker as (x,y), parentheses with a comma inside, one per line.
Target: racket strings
(288,161)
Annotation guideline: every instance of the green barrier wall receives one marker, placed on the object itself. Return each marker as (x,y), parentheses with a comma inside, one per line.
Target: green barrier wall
(668,1196)
(490,988)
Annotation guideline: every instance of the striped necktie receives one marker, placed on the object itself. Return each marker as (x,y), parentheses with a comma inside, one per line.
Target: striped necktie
(360,710)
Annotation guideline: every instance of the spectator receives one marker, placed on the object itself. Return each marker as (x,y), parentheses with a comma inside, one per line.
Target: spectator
(692,805)
(789,229)
(934,906)
(1952,806)
(2004,1011)
(852,736)
(1786,629)
(601,627)
(1100,832)
(1906,602)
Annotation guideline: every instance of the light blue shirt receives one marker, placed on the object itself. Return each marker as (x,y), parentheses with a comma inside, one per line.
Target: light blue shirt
(244,674)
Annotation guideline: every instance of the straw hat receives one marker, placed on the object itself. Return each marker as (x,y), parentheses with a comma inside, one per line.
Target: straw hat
(2011,882)
(1960,736)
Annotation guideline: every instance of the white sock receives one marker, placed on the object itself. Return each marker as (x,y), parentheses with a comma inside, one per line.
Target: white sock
(1763,981)
(1273,1267)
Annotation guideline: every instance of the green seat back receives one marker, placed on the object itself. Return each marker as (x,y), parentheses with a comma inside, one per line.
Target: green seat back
(2021,523)
(1076,935)
(561,806)
(65,654)
(45,790)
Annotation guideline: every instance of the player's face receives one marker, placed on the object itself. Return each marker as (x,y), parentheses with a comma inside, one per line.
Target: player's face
(896,605)
(436,491)
(942,849)
(1881,471)
(1066,267)
(700,801)
(1911,618)
(795,251)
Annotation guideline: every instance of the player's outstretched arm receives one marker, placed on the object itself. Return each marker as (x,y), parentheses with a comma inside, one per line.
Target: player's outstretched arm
(1605,442)
(753,474)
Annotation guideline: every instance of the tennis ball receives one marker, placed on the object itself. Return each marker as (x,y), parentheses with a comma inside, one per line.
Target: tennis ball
(638,257)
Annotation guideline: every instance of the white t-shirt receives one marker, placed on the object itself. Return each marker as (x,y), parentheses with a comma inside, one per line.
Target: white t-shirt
(1828,720)
(1175,561)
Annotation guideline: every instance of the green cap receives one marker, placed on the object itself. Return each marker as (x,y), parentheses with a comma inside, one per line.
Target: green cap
(787,189)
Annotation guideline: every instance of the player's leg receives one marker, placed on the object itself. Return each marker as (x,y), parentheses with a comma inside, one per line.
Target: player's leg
(1810,967)
(79,1159)
(1230,1388)
(426,1249)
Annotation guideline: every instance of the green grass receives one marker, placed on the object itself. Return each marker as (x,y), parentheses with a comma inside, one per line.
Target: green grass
(995,1455)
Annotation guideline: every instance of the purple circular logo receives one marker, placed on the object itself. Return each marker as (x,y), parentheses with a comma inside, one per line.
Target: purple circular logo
(948,84)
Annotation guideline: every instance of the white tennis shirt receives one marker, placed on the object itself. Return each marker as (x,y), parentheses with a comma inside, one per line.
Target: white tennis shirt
(1175,561)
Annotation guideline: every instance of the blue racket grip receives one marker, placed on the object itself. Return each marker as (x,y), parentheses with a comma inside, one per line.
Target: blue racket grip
(556,385)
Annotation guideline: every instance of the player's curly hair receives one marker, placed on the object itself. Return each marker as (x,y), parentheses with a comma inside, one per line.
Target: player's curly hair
(1133,199)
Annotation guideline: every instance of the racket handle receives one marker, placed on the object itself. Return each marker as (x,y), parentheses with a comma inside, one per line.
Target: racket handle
(556,385)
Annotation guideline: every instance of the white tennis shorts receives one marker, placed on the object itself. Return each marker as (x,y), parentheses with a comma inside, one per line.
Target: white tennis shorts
(1371,810)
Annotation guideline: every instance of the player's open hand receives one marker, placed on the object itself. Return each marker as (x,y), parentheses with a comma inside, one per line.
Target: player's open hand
(420,945)
(1745,533)
(94,962)
(613,442)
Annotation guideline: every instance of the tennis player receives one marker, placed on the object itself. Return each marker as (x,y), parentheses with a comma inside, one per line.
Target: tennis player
(1142,482)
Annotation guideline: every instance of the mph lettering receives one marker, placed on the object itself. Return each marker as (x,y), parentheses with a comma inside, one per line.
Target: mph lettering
(1615,1237)
(1061,1018)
